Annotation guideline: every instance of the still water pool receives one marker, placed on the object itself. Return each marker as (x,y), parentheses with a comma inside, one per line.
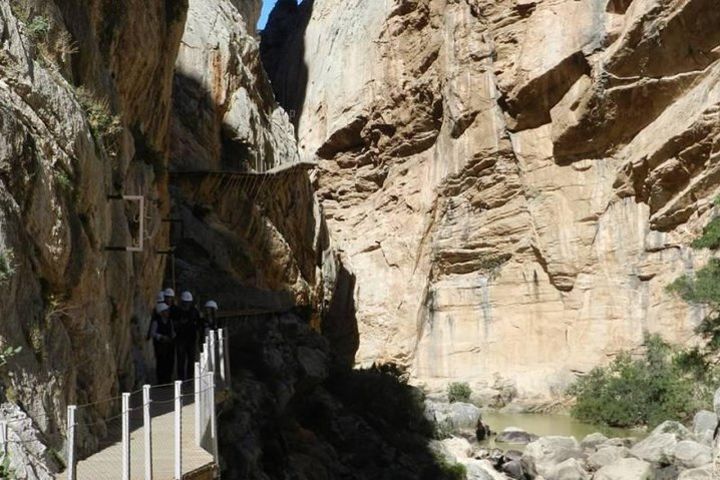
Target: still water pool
(546,424)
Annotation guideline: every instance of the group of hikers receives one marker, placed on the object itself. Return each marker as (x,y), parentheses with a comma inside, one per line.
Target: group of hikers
(176,329)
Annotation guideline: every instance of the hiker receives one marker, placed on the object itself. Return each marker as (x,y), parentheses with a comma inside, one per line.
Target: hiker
(210,317)
(158,300)
(163,335)
(169,295)
(187,323)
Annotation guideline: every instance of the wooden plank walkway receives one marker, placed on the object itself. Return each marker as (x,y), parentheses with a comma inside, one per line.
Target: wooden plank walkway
(107,463)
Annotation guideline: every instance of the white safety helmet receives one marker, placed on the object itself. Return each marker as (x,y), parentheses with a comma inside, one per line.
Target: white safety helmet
(186,296)
(161,307)
(160,298)
(169,292)
(211,304)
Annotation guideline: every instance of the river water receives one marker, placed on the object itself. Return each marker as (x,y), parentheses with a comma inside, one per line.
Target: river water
(547,424)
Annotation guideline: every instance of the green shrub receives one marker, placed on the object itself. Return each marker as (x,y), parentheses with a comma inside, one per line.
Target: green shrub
(645,391)
(459,392)
(7,268)
(102,122)
(38,28)
(451,471)
(703,288)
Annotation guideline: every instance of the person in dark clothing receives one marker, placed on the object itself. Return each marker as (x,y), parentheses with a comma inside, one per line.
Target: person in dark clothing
(155,316)
(210,320)
(163,335)
(187,323)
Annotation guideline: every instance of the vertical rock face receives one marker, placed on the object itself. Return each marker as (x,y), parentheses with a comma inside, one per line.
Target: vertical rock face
(514,182)
(85,91)
(260,241)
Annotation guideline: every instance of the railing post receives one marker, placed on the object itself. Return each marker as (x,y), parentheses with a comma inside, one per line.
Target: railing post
(211,349)
(178,430)
(126,436)
(147,427)
(196,385)
(226,357)
(221,356)
(71,463)
(211,412)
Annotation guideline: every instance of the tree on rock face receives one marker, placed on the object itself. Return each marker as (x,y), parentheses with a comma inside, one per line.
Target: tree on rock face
(703,287)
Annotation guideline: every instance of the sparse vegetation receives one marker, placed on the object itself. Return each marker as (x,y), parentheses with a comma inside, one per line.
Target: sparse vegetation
(7,268)
(703,288)
(6,472)
(643,391)
(38,28)
(459,392)
(103,123)
(451,471)
(7,353)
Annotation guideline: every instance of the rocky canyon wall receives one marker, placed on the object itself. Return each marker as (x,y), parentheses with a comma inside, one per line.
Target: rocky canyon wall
(249,241)
(85,92)
(514,182)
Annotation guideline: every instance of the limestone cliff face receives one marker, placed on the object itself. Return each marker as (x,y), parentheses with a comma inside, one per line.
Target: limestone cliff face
(84,113)
(514,182)
(255,242)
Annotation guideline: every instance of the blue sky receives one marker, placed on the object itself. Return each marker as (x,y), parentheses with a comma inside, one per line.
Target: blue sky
(267,7)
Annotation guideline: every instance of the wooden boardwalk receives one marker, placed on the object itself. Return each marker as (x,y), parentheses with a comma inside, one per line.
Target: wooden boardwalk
(107,463)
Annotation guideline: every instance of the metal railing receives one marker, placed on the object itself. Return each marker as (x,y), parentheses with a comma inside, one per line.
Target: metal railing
(134,442)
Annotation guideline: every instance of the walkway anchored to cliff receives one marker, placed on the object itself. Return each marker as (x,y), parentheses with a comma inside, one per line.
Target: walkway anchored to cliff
(253,183)
(164,432)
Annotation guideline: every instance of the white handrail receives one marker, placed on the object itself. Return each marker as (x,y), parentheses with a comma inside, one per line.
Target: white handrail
(178,430)
(147,425)
(126,436)
(71,465)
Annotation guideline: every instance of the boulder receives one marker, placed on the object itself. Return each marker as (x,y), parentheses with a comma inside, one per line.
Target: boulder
(620,442)
(703,428)
(593,440)
(453,417)
(480,470)
(515,435)
(570,469)
(543,455)
(454,449)
(606,455)
(659,446)
(626,469)
(513,469)
(702,473)
(690,454)
(672,427)
(667,472)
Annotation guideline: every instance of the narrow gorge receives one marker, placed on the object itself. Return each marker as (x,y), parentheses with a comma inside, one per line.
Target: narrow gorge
(385,197)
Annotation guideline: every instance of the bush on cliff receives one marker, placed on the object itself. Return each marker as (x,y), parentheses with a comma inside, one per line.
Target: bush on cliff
(640,391)
(459,392)
(703,288)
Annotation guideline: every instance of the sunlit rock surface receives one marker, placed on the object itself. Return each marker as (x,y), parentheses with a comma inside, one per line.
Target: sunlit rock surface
(514,182)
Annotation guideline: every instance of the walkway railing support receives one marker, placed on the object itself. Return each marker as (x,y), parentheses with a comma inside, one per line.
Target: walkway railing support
(178,430)
(226,357)
(71,460)
(221,356)
(126,436)
(196,384)
(211,346)
(147,428)
(211,413)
